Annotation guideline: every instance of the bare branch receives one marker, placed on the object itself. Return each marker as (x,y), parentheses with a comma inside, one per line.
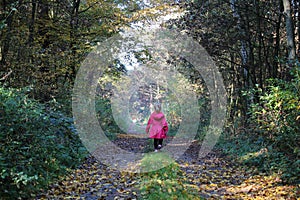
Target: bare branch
(7,75)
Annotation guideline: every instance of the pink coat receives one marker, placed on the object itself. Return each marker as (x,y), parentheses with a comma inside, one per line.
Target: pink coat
(158,126)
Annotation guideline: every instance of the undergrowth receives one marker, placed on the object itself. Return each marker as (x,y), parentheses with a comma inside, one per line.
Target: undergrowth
(253,152)
(38,145)
(271,140)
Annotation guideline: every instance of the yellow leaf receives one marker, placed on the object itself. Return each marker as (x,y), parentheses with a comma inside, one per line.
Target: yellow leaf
(213,185)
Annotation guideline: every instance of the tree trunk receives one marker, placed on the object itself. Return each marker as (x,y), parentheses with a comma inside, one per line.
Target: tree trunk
(73,29)
(274,72)
(259,62)
(43,17)
(298,26)
(289,30)
(32,24)
(245,76)
(7,39)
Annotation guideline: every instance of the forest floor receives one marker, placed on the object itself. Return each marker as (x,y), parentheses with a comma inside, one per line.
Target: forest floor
(217,176)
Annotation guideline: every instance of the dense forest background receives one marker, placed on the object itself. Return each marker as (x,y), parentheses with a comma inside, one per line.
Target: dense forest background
(254,43)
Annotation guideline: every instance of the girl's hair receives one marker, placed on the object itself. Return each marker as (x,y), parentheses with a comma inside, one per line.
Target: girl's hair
(157,107)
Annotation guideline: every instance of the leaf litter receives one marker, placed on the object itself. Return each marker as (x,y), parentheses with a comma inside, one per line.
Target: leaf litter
(216,176)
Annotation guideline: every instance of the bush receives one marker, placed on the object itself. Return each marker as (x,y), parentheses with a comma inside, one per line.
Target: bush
(278,116)
(106,118)
(37,145)
(165,183)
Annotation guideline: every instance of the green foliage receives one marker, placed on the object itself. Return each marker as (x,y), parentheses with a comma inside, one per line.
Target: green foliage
(278,116)
(105,117)
(45,49)
(278,113)
(273,144)
(37,145)
(165,183)
(2,24)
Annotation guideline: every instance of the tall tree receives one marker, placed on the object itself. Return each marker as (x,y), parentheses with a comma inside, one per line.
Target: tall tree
(246,38)
(289,30)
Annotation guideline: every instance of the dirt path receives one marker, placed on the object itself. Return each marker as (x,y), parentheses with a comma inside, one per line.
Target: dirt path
(216,176)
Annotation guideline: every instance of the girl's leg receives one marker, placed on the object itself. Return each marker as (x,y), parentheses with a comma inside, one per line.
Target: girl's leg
(160,141)
(156,143)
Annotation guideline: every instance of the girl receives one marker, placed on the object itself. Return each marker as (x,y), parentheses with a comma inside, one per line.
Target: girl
(157,127)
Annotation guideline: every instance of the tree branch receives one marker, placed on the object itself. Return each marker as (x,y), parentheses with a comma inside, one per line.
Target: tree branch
(7,75)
